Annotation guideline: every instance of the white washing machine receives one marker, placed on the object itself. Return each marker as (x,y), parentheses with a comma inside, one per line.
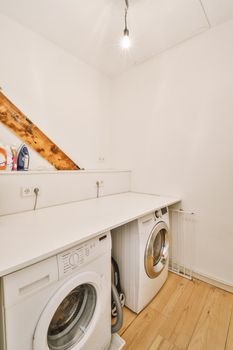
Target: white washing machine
(141,249)
(61,303)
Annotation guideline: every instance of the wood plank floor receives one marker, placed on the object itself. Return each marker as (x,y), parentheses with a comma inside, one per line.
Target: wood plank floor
(185,314)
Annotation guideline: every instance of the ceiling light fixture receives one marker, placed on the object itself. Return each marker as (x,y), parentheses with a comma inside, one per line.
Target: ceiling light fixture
(125,41)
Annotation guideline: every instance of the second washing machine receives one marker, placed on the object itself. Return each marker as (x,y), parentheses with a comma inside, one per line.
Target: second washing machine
(141,249)
(60,303)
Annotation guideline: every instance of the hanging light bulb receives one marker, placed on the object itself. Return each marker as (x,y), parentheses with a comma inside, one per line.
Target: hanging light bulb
(125,41)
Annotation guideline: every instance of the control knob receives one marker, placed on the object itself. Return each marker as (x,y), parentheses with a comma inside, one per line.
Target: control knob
(74,259)
(158,214)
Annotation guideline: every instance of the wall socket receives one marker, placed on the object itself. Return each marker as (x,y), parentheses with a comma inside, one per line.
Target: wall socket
(28,191)
(99,183)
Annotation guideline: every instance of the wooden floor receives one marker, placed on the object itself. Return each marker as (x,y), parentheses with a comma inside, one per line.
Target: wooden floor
(185,314)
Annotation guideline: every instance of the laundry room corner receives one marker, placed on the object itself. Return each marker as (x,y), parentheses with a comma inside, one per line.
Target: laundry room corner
(177,108)
(116,175)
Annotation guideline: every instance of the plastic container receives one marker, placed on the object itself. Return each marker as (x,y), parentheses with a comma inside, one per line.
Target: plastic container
(3,158)
(117,342)
(14,158)
(9,164)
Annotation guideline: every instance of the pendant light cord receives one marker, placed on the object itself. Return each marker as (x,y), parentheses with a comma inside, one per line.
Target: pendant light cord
(126,13)
(125,42)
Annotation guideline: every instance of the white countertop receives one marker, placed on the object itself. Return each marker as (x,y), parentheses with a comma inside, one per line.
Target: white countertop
(27,238)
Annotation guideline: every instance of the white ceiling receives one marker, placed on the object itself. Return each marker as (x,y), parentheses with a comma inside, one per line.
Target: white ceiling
(91,29)
(218,11)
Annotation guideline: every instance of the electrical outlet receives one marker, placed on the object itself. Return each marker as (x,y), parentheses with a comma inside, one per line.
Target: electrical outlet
(29,191)
(99,183)
(101,159)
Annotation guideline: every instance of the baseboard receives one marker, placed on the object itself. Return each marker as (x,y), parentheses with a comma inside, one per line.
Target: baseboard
(214,282)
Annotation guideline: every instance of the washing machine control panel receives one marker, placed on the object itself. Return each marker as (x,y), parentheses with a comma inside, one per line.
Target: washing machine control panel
(76,257)
(158,214)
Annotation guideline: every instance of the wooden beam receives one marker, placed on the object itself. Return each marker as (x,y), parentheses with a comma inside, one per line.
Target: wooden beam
(24,128)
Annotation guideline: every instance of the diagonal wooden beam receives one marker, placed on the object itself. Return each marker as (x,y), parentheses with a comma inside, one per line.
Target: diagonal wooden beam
(24,128)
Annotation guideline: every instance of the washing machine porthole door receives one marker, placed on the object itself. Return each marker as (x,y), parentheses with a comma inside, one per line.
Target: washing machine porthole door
(72,318)
(156,254)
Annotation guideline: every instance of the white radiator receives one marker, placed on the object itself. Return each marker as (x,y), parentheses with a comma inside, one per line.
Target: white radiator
(182,242)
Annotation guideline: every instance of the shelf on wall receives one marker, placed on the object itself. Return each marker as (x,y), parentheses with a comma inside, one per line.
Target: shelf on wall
(35,172)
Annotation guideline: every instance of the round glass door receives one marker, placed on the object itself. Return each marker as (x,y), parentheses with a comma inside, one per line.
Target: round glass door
(72,318)
(156,253)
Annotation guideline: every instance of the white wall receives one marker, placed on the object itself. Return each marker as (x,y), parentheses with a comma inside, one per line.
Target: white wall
(65,97)
(173,126)
(58,187)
